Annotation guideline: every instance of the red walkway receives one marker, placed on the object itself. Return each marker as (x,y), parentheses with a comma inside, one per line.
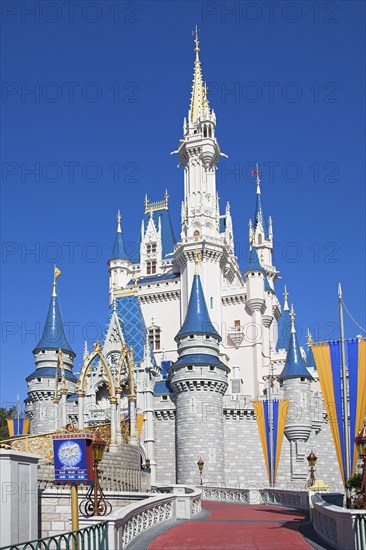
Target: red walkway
(236,527)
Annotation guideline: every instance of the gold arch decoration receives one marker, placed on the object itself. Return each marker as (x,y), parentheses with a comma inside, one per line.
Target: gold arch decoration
(97,352)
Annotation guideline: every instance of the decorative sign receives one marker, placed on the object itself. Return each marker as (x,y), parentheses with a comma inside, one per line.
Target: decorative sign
(73,458)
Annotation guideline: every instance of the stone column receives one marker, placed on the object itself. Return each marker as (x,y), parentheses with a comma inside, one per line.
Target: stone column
(113,444)
(132,411)
(119,437)
(64,407)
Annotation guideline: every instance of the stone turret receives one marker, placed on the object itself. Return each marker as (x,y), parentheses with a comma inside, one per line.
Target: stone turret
(295,380)
(199,380)
(42,382)
(119,266)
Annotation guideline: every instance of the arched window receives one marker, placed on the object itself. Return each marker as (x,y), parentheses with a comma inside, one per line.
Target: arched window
(259,239)
(211,302)
(154,337)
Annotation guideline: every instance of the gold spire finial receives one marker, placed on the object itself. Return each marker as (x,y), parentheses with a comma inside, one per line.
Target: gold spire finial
(309,338)
(199,102)
(292,315)
(56,274)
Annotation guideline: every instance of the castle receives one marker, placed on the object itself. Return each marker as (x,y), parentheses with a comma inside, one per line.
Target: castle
(201,339)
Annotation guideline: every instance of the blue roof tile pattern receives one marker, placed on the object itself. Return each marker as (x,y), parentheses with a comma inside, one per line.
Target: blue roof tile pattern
(50,372)
(119,250)
(132,325)
(294,366)
(162,387)
(284,330)
(197,319)
(53,336)
(167,231)
(199,359)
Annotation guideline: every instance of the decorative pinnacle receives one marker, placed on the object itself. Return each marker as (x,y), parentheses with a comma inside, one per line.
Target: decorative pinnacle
(285,304)
(258,180)
(56,274)
(196,42)
(339,291)
(293,315)
(86,353)
(309,338)
(119,230)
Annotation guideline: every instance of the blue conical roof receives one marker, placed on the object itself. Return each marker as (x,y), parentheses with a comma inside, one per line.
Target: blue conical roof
(310,361)
(53,336)
(284,330)
(119,251)
(259,215)
(294,366)
(197,319)
(254,263)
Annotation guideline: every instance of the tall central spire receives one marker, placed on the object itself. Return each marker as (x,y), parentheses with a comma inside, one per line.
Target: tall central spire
(199,101)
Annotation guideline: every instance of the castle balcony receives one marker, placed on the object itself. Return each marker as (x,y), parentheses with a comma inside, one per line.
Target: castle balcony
(236,335)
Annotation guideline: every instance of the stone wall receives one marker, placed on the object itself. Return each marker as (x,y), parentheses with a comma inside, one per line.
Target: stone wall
(164,430)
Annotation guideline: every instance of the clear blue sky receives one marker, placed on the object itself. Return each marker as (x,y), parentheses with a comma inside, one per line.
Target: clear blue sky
(111,84)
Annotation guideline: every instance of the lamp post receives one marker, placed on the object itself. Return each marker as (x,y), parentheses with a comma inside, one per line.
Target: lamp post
(200,465)
(311,461)
(95,503)
(360,441)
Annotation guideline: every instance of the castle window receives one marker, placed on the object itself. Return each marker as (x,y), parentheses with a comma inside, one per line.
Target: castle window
(235,386)
(259,239)
(211,302)
(212,368)
(164,398)
(38,379)
(154,337)
(237,325)
(190,367)
(151,248)
(151,267)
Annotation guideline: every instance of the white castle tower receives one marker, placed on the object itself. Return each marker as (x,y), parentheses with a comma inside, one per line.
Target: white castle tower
(43,399)
(296,380)
(199,380)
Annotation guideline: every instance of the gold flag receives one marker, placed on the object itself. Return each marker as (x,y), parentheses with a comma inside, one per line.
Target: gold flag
(57,272)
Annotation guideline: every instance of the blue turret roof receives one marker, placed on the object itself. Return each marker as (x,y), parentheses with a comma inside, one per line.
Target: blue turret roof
(267,286)
(119,250)
(50,372)
(197,319)
(53,336)
(294,366)
(310,361)
(254,263)
(284,329)
(168,240)
(259,215)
